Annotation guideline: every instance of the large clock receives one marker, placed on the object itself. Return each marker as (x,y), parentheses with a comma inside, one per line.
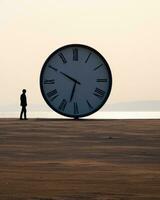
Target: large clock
(75,80)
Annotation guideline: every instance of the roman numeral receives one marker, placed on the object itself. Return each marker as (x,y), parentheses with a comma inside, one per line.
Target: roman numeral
(98,67)
(99,93)
(75,54)
(62,58)
(89,105)
(76,108)
(52,81)
(88,57)
(101,80)
(52,93)
(50,66)
(63,105)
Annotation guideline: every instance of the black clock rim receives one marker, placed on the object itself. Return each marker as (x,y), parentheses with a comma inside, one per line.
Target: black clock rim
(107,94)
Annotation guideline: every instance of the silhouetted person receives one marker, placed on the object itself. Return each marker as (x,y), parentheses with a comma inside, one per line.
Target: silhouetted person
(23,104)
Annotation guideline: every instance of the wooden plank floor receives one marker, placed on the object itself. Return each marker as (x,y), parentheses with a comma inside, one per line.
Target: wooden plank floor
(44,159)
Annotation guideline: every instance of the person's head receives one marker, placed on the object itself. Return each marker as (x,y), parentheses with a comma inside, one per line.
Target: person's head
(24,91)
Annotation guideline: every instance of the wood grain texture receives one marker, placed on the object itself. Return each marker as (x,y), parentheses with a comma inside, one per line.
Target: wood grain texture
(45,159)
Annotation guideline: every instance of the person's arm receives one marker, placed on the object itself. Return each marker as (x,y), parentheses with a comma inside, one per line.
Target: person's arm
(20,100)
(25,100)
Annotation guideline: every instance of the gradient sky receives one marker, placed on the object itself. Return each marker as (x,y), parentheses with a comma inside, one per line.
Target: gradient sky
(125,32)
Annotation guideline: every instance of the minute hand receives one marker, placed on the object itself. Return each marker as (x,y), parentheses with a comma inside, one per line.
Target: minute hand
(71,78)
(73,90)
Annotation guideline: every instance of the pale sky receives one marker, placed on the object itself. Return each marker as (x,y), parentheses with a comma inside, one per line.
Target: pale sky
(125,32)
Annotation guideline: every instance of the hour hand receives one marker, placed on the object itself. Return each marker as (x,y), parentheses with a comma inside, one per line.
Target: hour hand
(71,78)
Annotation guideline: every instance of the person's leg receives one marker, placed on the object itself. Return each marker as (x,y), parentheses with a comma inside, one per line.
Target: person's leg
(21,113)
(25,112)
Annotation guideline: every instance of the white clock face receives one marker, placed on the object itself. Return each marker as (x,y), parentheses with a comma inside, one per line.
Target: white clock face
(75,80)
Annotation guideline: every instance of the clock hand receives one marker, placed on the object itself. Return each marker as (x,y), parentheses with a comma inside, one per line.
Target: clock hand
(73,90)
(71,78)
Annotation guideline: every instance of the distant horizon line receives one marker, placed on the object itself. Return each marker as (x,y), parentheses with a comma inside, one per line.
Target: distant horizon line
(97,115)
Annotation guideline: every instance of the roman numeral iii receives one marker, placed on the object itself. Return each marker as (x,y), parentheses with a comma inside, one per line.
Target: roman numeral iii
(99,93)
